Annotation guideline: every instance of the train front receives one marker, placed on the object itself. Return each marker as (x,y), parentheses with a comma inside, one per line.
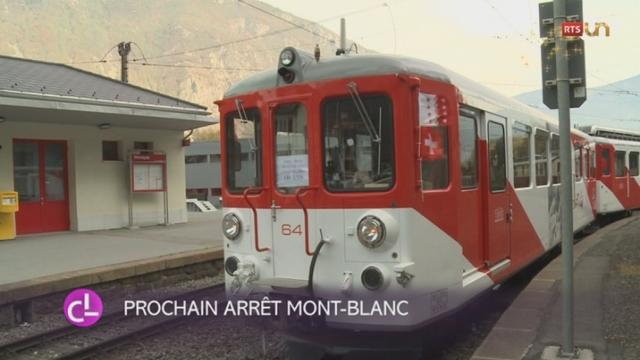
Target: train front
(320,196)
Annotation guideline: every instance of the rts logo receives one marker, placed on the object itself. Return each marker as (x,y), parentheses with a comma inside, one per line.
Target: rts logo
(83,307)
(576,29)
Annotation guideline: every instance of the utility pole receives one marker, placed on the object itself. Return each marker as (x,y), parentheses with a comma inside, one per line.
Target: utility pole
(124,48)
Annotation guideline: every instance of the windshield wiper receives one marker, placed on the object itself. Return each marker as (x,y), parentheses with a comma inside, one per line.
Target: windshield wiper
(244,119)
(362,110)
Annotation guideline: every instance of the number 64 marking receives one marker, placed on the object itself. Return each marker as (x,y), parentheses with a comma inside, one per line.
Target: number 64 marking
(287,230)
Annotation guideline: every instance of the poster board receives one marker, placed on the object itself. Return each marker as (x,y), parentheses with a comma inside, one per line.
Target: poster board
(148,172)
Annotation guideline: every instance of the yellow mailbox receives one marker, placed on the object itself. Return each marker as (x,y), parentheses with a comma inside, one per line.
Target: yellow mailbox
(8,208)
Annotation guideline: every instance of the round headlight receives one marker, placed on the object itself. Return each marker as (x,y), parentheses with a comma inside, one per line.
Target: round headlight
(371,231)
(231,226)
(287,57)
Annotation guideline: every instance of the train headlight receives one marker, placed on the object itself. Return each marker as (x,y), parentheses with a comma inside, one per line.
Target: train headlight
(371,231)
(287,57)
(231,226)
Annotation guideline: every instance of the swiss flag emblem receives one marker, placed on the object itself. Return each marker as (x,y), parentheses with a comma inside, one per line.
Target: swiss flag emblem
(431,143)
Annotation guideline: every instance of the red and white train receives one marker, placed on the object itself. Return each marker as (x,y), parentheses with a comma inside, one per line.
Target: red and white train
(387,177)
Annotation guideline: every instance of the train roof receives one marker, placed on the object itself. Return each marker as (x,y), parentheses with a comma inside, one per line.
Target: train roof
(473,93)
(612,133)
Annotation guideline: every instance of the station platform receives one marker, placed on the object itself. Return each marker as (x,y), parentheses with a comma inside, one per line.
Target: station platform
(606,306)
(42,264)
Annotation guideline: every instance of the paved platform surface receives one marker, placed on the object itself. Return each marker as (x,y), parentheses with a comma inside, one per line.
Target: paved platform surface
(607,305)
(33,261)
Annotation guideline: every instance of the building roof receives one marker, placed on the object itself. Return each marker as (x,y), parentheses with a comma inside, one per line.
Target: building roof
(31,86)
(34,76)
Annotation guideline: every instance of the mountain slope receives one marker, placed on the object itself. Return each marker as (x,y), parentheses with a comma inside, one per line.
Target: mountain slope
(614,105)
(76,31)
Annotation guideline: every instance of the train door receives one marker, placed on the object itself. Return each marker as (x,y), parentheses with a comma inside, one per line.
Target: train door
(497,246)
(291,162)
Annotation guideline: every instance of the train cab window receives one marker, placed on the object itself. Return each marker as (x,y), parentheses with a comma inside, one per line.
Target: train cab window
(634,167)
(244,149)
(292,158)
(606,162)
(468,152)
(497,159)
(521,138)
(541,140)
(555,159)
(620,163)
(358,147)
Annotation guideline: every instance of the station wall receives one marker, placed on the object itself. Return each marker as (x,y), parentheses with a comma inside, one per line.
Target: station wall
(98,190)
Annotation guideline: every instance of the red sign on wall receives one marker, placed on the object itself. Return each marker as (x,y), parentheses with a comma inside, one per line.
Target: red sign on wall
(572,28)
(148,172)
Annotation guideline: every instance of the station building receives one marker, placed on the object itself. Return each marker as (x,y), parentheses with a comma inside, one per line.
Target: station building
(66,136)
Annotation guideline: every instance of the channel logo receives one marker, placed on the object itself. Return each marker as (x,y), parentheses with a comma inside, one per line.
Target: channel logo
(83,307)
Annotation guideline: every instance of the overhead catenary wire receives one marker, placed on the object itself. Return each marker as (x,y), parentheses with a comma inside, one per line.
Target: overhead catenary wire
(198,67)
(302,27)
(256,37)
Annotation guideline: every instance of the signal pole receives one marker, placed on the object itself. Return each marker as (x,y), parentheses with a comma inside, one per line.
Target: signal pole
(566,178)
(564,87)
(123,49)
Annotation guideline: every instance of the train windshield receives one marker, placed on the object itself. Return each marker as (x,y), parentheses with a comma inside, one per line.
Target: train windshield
(357,158)
(244,165)
(292,159)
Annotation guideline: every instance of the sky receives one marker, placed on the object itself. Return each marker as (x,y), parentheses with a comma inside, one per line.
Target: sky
(495,42)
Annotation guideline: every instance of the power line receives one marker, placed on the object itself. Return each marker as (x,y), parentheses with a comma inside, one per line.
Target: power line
(302,27)
(508,22)
(102,59)
(198,67)
(271,33)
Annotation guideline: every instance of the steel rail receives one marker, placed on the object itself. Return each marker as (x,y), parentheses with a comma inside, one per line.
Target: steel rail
(60,332)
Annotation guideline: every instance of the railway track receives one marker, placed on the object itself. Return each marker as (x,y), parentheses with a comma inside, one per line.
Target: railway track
(113,330)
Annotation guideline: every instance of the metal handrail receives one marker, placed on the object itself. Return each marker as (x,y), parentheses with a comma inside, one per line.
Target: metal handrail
(299,192)
(245,196)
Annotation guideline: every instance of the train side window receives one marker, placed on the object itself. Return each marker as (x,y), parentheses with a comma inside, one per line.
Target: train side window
(244,149)
(468,152)
(593,163)
(497,160)
(541,140)
(585,163)
(555,159)
(606,162)
(620,165)
(634,167)
(577,156)
(521,138)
